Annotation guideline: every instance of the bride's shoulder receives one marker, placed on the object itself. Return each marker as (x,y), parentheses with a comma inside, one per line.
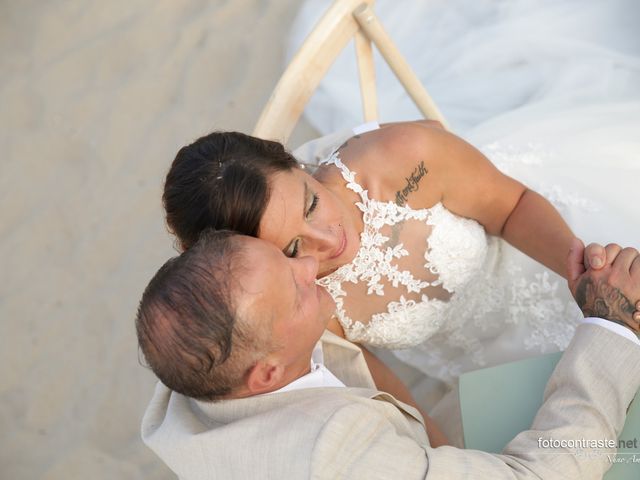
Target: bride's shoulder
(382,159)
(394,145)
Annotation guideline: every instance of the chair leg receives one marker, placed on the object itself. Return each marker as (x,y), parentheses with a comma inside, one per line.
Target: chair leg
(319,50)
(373,30)
(367,74)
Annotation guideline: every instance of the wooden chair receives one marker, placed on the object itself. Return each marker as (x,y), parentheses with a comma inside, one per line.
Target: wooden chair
(344,20)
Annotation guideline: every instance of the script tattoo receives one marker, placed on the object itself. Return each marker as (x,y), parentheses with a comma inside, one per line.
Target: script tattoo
(412,184)
(597,298)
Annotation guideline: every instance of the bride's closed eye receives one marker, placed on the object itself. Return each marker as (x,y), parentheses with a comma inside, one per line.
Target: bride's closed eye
(314,203)
(292,250)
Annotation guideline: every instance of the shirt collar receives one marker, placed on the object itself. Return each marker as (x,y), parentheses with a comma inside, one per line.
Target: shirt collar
(318,376)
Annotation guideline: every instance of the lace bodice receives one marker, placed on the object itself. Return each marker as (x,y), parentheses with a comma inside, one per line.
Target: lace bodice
(409,267)
(434,281)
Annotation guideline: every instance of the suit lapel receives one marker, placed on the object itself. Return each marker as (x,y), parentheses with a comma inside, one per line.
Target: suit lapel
(345,360)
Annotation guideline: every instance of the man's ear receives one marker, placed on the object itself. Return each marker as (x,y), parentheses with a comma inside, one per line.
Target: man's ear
(265,376)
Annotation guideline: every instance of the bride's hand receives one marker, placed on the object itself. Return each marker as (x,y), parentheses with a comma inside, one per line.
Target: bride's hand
(593,255)
(596,256)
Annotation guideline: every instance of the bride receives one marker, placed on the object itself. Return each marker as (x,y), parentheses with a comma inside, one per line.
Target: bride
(549,90)
(408,221)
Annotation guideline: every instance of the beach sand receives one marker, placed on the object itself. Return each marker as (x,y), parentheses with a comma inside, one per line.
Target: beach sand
(97,97)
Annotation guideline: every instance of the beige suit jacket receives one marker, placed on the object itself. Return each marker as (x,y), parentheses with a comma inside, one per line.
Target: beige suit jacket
(359,432)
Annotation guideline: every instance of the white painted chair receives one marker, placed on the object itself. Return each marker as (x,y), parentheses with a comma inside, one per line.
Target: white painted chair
(344,20)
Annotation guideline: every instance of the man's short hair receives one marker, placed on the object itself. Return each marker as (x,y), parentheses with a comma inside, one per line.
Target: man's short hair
(187,322)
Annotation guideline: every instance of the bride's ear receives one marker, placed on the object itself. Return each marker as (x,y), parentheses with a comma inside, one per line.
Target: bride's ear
(265,376)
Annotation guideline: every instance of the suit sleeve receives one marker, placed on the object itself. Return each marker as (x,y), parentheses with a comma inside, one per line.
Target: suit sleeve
(585,399)
(360,441)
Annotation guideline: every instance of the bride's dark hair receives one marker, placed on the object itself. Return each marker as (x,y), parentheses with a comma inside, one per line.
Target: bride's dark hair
(221,181)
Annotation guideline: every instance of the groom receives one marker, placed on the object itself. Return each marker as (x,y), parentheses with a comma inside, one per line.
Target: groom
(233,325)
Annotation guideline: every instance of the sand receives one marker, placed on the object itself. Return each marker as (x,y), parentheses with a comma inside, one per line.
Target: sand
(96,98)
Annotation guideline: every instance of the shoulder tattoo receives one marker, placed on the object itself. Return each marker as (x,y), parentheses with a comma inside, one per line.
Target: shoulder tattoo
(413,183)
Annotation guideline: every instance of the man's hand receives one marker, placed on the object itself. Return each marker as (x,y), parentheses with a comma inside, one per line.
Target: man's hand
(595,255)
(610,291)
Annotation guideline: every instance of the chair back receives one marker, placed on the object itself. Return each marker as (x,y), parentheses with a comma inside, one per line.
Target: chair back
(343,21)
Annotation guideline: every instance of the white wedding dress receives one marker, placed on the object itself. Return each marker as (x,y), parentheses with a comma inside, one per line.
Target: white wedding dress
(549,90)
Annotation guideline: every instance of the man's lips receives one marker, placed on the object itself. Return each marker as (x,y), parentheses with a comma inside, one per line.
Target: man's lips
(341,248)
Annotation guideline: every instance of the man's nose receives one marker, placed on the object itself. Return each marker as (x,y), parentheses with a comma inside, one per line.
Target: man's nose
(306,269)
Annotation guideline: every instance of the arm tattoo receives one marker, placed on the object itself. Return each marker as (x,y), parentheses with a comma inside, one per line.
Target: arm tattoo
(597,298)
(412,184)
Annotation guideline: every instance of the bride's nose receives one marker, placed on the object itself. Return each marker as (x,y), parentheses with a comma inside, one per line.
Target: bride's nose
(322,239)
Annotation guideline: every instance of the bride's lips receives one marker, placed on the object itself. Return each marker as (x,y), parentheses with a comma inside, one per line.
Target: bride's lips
(341,248)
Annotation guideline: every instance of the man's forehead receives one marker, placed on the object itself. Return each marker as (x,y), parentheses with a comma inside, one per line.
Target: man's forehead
(258,247)
(263,288)
(260,266)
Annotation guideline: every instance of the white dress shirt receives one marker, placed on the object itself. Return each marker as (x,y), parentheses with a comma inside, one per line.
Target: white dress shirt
(318,376)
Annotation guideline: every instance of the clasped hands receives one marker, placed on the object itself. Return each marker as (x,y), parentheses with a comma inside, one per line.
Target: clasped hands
(605,282)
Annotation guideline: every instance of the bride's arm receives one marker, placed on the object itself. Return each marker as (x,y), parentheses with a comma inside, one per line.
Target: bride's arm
(535,227)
